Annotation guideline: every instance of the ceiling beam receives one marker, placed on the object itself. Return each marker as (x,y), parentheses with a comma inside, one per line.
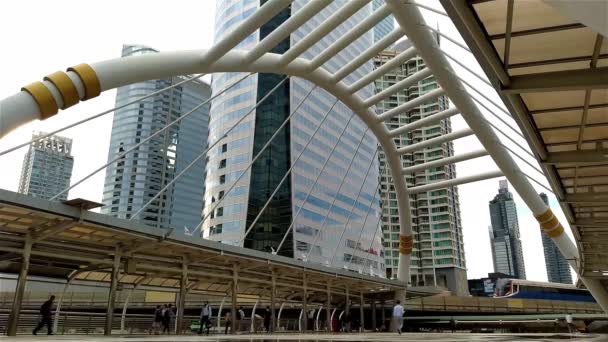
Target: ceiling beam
(576,157)
(558,81)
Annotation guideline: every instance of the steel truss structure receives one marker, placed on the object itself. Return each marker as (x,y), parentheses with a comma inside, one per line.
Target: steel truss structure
(61,90)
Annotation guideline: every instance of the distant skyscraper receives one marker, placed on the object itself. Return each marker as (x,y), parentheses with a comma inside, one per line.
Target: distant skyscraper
(438,255)
(507,252)
(558,269)
(133,180)
(385,26)
(47,167)
(334,204)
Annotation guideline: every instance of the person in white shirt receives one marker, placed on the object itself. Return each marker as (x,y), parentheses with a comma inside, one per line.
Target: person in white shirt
(205,323)
(569,322)
(398,316)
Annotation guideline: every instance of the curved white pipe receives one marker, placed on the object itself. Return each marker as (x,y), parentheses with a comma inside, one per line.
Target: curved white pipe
(317,318)
(20,108)
(219,313)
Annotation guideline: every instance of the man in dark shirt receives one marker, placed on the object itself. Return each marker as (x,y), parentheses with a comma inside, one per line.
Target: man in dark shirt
(46,314)
(267,319)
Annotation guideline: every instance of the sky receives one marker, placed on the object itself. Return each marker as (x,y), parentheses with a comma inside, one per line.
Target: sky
(41,37)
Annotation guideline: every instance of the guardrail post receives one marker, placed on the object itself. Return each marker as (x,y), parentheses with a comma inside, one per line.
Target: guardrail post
(13,318)
(112,295)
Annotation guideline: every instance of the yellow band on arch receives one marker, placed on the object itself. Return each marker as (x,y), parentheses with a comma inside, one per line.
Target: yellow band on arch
(66,87)
(406,243)
(44,99)
(88,76)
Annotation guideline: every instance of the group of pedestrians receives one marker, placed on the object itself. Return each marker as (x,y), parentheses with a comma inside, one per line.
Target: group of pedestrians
(163,316)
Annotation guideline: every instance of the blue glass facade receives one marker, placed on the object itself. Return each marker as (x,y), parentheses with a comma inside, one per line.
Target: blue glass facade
(134,180)
(346,196)
(385,26)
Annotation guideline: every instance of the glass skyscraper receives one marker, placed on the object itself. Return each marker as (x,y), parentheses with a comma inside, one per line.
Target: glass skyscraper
(385,26)
(558,269)
(507,253)
(47,167)
(346,196)
(136,178)
(438,255)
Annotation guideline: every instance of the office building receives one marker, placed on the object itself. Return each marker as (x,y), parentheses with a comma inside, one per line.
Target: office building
(349,237)
(136,178)
(438,255)
(558,269)
(507,253)
(47,167)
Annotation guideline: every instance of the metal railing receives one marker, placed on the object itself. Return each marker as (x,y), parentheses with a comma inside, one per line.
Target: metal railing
(88,323)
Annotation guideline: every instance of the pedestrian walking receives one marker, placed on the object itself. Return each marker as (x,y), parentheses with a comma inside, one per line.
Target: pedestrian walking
(158,320)
(267,319)
(205,322)
(398,316)
(570,323)
(346,322)
(46,310)
(166,319)
(228,319)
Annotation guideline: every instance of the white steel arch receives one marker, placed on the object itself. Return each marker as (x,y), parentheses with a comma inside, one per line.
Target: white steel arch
(62,90)
(119,72)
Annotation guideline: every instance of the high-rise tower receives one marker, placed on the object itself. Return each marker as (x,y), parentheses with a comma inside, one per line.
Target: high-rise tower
(558,269)
(385,26)
(438,254)
(347,196)
(507,252)
(136,178)
(47,167)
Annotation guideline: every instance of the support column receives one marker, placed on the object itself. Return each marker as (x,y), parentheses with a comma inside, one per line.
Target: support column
(273,290)
(328,308)
(181,302)
(112,295)
(13,318)
(235,279)
(305,303)
(374,322)
(361,313)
